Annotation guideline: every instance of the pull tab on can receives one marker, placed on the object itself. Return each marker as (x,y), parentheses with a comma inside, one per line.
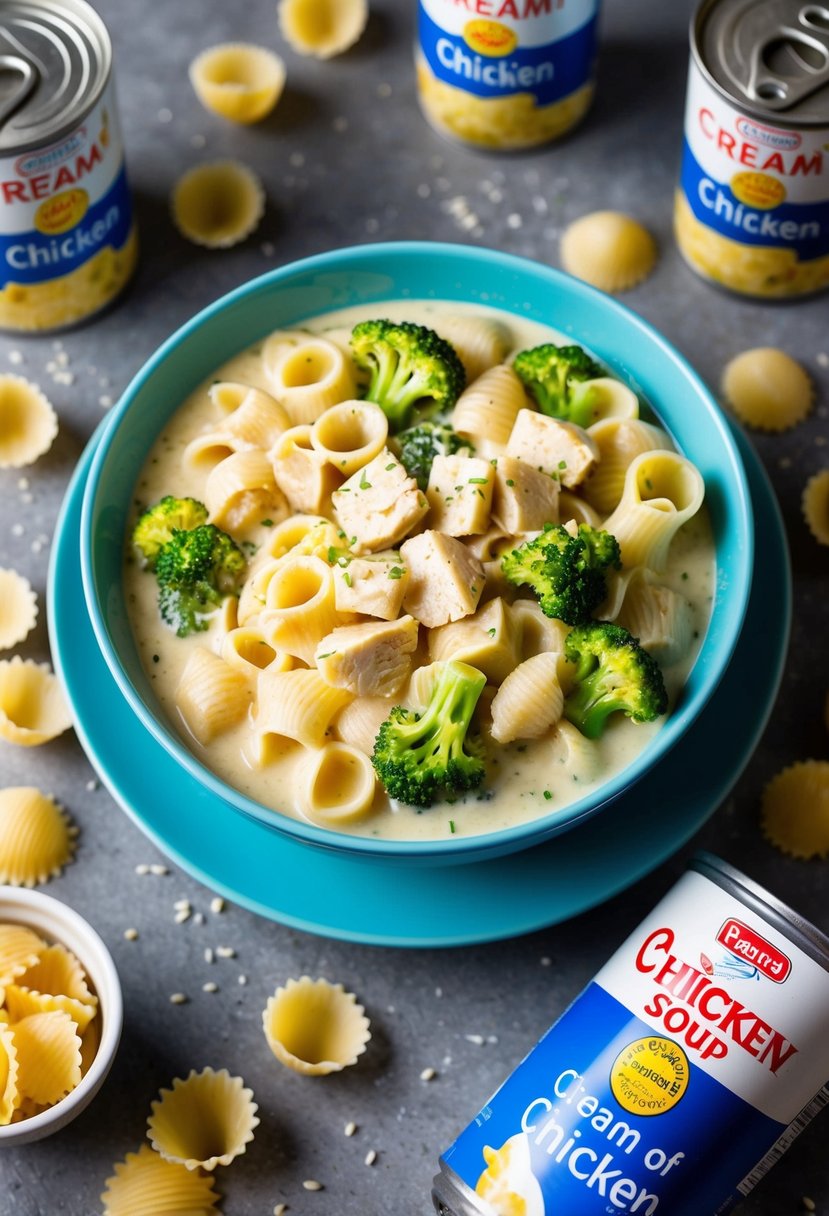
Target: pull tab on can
(18,79)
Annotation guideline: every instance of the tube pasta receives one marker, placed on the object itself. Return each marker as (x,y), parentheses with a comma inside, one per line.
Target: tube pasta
(662,491)
(302,473)
(300,608)
(238,80)
(211,695)
(479,342)
(350,434)
(250,414)
(310,377)
(529,701)
(487,409)
(620,441)
(246,651)
(611,399)
(297,705)
(241,491)
(335,785)
(358,723)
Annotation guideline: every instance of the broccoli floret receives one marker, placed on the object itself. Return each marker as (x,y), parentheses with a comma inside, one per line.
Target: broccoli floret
(413,371)
(422,757)
(554,377)
(196,569)
(420,445)
(566,572)
(614,674)
(157,524)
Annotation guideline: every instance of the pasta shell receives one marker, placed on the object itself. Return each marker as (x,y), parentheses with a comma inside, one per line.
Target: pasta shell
(49,1055)
(57,970)
(22,1002)
(767,389)
(90,1042)
(32,707)
(609,250)
(479,342)
(315,1027)
(36,837)
(144,1184)
(20,948)
(238,80)
(217,205)
(18,608)
(297,705)
(488,408)
(815,504)
(662,491)
(28,423)
(322,28)
(529,701)
(10,1095)
(795,809)
(211,695)
(206,1119)
(358,723)
(619,441)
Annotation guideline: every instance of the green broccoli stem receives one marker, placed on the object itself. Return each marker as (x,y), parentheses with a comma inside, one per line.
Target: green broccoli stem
(591,702)
(443,725)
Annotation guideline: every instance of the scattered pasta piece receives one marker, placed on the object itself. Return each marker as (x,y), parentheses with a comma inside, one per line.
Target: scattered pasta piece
(238,80)
(28,423)
(144,1184)
(18,608)
(322,28)
(32,706)
(36,837)
(815,504)
(767,389)
(218,204)
(609,250)
(205,1120)
(795,809)
(315,1027)
(20,948)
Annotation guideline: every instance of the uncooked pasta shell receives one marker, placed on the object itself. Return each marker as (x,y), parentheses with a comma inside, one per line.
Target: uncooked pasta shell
(20,948)
(28,423)
(18,607)
(205,1120)
(609,250)
(22,1002)
(32,706)
(49,1055)
(315,1027)
(795,809)
(145,1184)
(219,204)
(57,970)
(238,80)
(815,504)
(10,1096)
(767,389)
(36,837)
(322,28)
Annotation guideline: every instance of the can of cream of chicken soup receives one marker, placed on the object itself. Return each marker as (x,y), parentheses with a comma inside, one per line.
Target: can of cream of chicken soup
(752,208)
(674,1081)
(506,74)
(67,236)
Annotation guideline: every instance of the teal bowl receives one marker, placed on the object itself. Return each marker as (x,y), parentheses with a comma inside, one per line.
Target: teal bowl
(372,274)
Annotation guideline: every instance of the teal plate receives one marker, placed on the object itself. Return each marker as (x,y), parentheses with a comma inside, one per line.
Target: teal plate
(362,900)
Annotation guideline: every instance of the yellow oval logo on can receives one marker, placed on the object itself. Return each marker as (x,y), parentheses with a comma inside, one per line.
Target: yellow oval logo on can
(61,212)
(759,190)
(649,1076)
(490,38)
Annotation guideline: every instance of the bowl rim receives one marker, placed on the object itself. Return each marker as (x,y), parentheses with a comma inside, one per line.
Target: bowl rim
(357,258)
(36,910)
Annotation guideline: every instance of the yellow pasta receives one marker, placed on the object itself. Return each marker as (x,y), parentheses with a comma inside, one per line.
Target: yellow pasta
(350,434)
(358,722)
(21,1002)
(610,398)
(18,608)
(767,389)
(335,785)
(619,441)
(300,608)
(536,632)
(609,250)
(246,651)
(529,701)
(309,377)
(36,837)
(795,809)
(211,695)
(56,970)
(662,491)
(479,342)
(315,1027)
(206,1119)
(32,706)
(572,507)
(20,948)
(48,1055)
(322,28)
(28,423)
(297,705)
(303,475)
(217,205)
(144,1184)
(815,505)
(238,80)
(10,1096)
(487,409)
(240,492)
(248,413)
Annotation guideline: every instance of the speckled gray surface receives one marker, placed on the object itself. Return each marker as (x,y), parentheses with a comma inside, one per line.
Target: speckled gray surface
(347,158)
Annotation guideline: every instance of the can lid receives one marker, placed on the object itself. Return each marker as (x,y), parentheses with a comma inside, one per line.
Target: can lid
(55,57)
(796,928)
(770,55)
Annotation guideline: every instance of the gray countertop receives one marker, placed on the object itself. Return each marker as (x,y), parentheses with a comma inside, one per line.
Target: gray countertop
(347,158)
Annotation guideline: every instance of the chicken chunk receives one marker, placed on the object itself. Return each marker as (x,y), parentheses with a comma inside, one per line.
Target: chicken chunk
(369,660)
(372,586)
(379,504)
(460,494)
(562,449)
(524,499)
(445,579)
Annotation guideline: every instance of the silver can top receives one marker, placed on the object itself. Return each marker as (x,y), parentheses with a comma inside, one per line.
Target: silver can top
(769,56)
(55,59)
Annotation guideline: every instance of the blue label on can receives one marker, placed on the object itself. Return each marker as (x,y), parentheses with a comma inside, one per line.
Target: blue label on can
(607,1115)
(488,59)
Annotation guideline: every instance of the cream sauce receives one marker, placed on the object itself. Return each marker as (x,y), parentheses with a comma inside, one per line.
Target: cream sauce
(525,780)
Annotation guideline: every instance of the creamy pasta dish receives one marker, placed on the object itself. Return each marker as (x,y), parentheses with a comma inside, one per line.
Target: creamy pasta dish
(417,570)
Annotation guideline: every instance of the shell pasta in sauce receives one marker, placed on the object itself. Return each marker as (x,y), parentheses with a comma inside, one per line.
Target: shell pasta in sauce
(365,572)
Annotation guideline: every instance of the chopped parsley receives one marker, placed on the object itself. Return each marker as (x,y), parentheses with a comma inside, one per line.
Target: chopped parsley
(396,572)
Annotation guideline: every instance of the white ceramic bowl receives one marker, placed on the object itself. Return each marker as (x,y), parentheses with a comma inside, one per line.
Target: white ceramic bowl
(58,923)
